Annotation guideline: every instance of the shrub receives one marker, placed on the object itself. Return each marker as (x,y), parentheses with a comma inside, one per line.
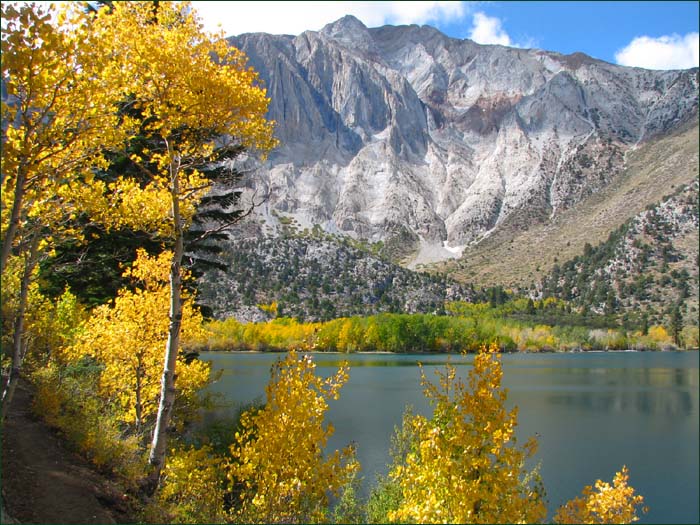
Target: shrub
(192,487)
(604,504)
(278,471)
(464,465)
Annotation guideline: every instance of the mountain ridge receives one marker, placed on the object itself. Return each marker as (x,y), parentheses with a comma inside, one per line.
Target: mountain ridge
(401,131)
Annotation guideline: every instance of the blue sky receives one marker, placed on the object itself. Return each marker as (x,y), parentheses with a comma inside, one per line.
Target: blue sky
(656,35)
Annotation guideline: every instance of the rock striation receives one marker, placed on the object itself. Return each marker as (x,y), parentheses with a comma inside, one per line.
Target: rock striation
(403,132)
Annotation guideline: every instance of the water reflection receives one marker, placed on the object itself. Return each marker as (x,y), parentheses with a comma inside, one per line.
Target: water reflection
(663,391)
(367,362)
(669,403)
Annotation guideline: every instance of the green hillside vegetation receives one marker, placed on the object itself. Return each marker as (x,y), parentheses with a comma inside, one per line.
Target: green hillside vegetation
(314,276)
(646,271)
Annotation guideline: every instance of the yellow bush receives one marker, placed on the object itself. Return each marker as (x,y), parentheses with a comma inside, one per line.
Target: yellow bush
(604,504)
(47,326)
(65,397)
(47,397)
(192,487)
(533,339)
(464,466)
(658,334)
(278,468)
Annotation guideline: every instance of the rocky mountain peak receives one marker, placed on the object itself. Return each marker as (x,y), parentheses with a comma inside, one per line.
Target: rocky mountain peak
(349,31)
(342,26)
(577,60)
(404,133)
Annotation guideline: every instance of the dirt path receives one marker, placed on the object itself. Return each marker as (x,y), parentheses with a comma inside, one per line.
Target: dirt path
(43,481)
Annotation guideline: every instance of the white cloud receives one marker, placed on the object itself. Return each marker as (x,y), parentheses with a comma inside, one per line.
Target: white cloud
(420,12)
(296,17)
(488,30)
(665,52)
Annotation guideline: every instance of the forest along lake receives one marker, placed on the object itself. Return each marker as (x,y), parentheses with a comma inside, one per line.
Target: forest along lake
(592,412)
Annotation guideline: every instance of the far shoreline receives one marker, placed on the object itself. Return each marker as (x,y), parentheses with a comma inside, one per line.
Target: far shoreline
(419,352)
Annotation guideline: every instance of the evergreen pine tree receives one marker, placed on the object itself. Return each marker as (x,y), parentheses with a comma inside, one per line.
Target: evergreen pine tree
(676,324)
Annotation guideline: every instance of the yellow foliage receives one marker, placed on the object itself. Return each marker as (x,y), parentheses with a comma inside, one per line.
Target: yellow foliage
(466,309)
(550,302)
(61,120)
(533,339)
(128,338)
(372,338)
(65,398)
(193,92)
(604,504)
(48,327)
(351,336)
(54,102)
(269,308)
(465,466)
(222,96)
(151,273)
(659,334)
(191,490)
(278,465)
(280,333)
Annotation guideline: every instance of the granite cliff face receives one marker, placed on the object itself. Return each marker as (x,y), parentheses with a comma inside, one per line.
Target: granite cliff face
(403,132)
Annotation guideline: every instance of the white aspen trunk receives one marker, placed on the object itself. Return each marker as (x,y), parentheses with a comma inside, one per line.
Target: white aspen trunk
(167,393)
(139,410)
(13,225)
(18,332)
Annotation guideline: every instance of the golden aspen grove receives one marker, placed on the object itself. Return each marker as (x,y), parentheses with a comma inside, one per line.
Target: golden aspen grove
(141,85)
(127,337)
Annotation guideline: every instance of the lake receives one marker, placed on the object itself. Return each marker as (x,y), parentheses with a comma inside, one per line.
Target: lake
(593,413)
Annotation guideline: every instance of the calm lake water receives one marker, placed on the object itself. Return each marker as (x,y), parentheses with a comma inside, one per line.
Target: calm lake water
(593,413)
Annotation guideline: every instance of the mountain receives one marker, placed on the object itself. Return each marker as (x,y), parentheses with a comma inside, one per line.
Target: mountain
(435,145)
(517,256)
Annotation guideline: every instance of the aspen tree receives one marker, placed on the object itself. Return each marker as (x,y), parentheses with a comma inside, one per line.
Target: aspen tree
(57,117)
(196,98)
(278,467)
(126,337)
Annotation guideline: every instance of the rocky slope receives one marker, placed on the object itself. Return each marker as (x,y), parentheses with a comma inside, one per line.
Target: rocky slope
(315,276)
(403,132)
(518,255)
(648,265)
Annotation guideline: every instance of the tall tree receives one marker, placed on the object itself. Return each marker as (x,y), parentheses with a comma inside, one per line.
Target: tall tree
(198,100)
(676,324)
(57,115)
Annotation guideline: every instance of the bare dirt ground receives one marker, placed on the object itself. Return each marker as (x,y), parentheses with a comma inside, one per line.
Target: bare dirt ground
(43,481)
